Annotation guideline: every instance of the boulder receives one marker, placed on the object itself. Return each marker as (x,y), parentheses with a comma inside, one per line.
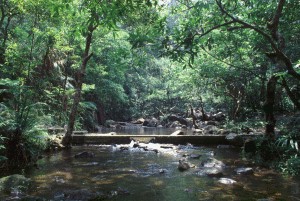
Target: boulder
(220,116)
(212,163)
(213,172)
(175,124)
(226,181)
(151,122)
(244,171)
(85,154)
(235,139)
(180,119)
(183,165)
(139,121)
(210,129)
(198,131)
(15,184)
(212,123)
(178,132)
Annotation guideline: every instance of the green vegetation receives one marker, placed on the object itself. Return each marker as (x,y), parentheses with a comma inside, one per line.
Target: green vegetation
(81,62)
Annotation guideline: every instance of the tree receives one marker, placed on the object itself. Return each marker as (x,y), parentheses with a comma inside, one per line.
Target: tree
(203,20)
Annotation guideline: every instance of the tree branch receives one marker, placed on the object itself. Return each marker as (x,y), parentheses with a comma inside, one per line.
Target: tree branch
(278,51)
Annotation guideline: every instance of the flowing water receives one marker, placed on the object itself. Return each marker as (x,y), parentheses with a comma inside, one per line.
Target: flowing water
(135,174)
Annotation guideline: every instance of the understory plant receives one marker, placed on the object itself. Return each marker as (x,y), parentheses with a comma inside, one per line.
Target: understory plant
(281,153)
(22,124)
(288,143)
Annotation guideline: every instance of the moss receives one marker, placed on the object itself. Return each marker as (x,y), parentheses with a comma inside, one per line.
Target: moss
(14,182)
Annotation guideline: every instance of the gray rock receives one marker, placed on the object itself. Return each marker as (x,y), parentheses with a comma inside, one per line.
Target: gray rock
(197,131)
(210,129)
(151,122)
(213,172)
(244,171)
(178,132)
(183,165)
(212,162)
(226,181)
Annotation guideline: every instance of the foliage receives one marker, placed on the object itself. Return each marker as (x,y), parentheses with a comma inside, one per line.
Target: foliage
(146,58)
(288,143)
(21,124)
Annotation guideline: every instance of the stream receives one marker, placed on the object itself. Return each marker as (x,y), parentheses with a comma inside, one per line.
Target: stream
(115,173)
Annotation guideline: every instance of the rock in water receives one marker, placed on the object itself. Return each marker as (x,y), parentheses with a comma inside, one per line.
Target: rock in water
(226,181)
(183,165)
(244,170)
(212,162)
(213,172)
(85,154)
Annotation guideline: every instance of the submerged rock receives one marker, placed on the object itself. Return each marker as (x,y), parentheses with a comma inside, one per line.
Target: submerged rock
(83,194)
(195,156)
(85,154)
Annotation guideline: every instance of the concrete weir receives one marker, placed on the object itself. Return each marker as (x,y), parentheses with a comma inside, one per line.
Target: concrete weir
(94,138)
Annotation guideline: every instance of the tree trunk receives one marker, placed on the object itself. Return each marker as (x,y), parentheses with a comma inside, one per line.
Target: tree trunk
(291,95)
(86,56)
(194,118)
(268,107)
(101,114)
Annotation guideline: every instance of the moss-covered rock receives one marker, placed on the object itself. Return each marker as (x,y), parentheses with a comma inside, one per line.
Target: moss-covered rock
(13,183)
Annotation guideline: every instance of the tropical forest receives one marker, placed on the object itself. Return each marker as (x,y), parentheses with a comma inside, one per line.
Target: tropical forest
(169,100)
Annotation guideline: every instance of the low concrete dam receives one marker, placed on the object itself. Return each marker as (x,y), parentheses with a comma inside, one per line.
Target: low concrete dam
(96,138)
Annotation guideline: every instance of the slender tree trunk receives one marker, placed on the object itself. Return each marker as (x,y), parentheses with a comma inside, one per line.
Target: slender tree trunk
(268,107)
(194,118)
(291,95)
(86,56)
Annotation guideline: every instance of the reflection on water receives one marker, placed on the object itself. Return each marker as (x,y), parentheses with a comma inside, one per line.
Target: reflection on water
(148,176)
(139,130)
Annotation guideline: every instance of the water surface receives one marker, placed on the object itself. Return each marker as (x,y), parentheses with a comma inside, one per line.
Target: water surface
(148,176)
